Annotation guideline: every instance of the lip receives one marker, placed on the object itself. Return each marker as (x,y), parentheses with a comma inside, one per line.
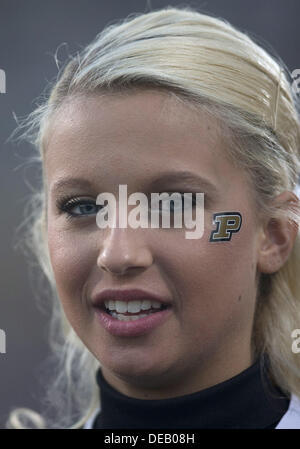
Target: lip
(129,328)
(135,328)
(126,295)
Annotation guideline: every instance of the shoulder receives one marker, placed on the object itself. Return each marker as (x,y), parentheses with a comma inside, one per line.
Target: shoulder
(291,419)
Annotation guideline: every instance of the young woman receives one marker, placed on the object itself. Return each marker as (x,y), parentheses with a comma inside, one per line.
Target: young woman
(151,329)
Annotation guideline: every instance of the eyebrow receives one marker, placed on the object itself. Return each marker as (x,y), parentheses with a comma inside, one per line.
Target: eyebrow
(70,182)
(190,179)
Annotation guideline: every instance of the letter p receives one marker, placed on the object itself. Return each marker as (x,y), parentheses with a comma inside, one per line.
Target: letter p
(227,223)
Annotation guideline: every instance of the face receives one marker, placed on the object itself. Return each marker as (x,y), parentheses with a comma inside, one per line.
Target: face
(134,140)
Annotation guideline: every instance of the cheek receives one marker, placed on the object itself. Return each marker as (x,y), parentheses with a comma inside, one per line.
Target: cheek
(70,260)
(215,279)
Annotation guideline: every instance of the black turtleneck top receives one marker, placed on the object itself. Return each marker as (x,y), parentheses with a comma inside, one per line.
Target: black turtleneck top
(246,401)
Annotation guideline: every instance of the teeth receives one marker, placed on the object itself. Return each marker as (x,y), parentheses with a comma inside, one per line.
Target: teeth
(121,306)
(156,304)
(111,305)
(146,304)
(127,317)
(132,306)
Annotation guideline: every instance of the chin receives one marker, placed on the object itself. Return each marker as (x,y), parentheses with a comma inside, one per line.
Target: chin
(140,371)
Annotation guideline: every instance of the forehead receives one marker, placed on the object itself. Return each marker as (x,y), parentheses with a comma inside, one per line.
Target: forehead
(131,137)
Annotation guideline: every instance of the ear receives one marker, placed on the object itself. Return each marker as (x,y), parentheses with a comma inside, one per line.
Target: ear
(277,238)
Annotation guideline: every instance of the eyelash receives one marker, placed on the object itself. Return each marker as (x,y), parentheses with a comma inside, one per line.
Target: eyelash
(66,204)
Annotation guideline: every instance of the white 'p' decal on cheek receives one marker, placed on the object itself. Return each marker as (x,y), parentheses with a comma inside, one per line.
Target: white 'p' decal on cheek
(227,223)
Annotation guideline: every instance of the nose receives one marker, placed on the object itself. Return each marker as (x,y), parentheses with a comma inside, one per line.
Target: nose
(123,250)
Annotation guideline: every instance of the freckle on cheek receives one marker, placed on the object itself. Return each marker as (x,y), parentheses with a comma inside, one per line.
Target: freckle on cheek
(240,297)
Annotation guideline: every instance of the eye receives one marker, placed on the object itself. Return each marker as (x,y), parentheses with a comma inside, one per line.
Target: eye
(83,208)
(78,207)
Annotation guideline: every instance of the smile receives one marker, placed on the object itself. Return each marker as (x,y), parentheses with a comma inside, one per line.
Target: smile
(128,318)
(132,310)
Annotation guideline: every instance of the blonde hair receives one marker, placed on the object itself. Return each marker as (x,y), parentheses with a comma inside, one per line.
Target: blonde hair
(208,65)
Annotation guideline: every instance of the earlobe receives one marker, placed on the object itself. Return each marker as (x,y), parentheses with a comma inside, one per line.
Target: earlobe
(276,240)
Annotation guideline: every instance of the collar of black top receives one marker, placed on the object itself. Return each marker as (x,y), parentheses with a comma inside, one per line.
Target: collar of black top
(246,401)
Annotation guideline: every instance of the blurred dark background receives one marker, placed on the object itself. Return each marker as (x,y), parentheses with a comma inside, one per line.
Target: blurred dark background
(30,33)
